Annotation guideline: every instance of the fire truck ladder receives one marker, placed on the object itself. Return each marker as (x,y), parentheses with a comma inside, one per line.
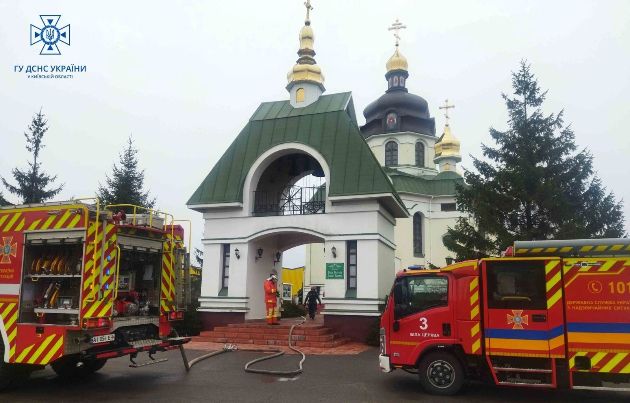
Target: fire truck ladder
(573,247)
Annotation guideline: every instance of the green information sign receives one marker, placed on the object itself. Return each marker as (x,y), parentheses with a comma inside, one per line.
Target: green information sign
(334,271)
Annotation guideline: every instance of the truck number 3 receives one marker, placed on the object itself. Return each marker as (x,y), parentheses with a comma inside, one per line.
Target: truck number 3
(424,324)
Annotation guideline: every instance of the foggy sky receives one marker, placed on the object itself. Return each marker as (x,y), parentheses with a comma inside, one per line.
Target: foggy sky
(184,77)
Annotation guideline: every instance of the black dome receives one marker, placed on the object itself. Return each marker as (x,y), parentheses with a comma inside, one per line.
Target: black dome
(402,102)
(411,111)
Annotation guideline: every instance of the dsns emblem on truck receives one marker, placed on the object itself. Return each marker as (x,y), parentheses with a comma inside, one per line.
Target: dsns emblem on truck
(517,319)
(7,249)
(50,34)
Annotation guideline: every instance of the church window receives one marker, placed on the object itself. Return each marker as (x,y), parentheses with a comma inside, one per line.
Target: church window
(395,81)
(299,95)
(402,81)
(448,207)
(390,82)
(391,121)
(391,153)
(419,154)
(417,235)
(351,251)
(225,272)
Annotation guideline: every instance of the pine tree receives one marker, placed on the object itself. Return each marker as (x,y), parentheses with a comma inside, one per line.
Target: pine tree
(3,201)
(32,183)
(199,257)
(533,185)
(125,186)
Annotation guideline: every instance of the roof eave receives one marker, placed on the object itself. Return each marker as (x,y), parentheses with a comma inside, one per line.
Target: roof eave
(391,203)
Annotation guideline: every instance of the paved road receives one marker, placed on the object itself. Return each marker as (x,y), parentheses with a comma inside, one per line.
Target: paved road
(221,379)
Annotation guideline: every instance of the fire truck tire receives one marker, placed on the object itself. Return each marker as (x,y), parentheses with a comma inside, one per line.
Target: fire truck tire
(72,367)
(12,375)
(441,373)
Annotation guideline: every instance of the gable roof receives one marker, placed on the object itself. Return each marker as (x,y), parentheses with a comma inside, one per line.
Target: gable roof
(328,125)
(442,184)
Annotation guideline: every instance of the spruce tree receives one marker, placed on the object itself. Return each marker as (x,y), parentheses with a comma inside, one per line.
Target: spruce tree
(3,201)
(32,183)
(534,184)
(199,257)
(125,186)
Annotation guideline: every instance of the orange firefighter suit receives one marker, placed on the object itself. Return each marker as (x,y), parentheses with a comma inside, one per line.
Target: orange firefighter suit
(271,301)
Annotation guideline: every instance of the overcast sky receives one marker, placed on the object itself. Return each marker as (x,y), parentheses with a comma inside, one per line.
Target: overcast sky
(184,77)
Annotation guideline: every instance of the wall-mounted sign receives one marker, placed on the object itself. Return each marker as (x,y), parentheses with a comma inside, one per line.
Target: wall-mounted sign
(334,271)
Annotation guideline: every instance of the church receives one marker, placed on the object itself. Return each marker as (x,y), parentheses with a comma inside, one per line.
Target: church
(366,200)
(421,166)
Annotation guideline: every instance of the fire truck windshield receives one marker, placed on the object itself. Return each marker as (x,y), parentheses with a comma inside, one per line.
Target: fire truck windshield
(413,294)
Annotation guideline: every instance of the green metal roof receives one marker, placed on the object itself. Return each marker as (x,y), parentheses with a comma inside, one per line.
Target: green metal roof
(328,125)
(441,184)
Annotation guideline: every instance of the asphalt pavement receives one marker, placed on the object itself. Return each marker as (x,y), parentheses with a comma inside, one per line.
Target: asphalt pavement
(350,378)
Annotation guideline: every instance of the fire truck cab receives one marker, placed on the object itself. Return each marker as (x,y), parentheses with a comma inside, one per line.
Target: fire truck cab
(81,283)
(550,314)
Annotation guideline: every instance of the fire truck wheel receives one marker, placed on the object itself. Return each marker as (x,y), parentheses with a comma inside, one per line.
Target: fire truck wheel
(73,367)
(12,375)
(441,373)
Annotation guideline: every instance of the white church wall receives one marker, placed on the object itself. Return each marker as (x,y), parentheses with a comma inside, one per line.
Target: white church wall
(386,263)
(434,227)
(406,148)
(210,279)
(335,288)
(258,271)
(237,282)
(314,269)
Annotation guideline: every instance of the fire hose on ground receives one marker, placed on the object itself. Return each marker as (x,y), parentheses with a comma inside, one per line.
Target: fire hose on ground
(248,368)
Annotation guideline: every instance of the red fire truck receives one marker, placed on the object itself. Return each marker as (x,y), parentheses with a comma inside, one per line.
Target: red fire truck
(80,284)
(550,314)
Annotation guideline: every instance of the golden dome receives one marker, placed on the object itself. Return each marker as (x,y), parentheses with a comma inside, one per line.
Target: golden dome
(397,61)
(447,146)
(307,38)
(306,68)
(306,72)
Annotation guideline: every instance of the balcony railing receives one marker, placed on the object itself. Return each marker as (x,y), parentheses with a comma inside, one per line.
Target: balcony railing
(294,200)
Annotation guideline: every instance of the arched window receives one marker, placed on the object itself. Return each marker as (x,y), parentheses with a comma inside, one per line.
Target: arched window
(417,235)
(300,95)
(391,153)
(419,154)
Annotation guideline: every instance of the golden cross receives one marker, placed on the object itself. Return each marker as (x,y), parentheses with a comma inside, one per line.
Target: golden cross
(396,27)
(446,107)
(308,6)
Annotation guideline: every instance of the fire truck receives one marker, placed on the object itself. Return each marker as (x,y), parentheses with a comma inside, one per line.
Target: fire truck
(548,314)
(81,283)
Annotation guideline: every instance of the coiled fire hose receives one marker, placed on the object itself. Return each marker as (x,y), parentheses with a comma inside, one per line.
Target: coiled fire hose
(247,368)
(278,354)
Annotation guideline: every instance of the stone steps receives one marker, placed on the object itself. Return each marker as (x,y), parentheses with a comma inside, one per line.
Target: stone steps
(257,333)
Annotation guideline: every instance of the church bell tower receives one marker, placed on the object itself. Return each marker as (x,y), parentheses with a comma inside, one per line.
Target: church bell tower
(306,81)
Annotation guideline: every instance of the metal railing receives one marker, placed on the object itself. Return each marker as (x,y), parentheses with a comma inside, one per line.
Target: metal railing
(293,200)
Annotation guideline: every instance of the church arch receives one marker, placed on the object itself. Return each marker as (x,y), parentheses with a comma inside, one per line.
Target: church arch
(391,153)
(300,94)
(418,246)
(275,175)
(420,154)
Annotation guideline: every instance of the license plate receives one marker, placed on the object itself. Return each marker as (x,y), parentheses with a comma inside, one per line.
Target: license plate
(103,338)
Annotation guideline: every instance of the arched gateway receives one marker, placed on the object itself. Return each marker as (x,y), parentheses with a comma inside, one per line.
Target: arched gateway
(255,207)
(299,172)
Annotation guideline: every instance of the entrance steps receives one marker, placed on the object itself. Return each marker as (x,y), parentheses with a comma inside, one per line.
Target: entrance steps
(259,333)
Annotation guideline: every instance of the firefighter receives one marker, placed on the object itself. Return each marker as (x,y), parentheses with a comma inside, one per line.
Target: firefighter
(311,301)
(271,298)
